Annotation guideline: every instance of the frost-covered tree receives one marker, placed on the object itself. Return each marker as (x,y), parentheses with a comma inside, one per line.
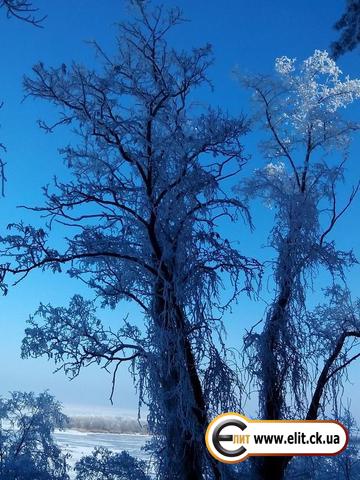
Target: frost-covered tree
(300,354)
(103,464)
(149,186)
(349,26)
(27,448)
(345,466)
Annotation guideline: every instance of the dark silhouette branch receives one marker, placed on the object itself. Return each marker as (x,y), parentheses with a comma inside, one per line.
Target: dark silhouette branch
(23,10)
(327,373)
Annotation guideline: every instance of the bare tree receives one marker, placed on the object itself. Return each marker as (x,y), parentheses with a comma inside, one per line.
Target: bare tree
(150,177)
(23,10)
(295,355)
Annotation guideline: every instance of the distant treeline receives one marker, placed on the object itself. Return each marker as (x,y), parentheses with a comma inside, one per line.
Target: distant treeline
(102,424)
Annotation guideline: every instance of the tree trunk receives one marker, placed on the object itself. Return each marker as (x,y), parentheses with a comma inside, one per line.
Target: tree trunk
(273,366)
(273,372)
(181,395)
(270,468)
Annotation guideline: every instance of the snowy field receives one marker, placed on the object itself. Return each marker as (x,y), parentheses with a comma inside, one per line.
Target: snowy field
(82,443)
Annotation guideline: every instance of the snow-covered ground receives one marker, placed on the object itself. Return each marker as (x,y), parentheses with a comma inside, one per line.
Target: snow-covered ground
(82,443)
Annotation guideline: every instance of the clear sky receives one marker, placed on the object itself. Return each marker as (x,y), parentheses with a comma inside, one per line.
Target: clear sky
(246,34)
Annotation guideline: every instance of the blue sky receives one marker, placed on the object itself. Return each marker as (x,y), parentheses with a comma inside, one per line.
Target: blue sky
(249,35)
